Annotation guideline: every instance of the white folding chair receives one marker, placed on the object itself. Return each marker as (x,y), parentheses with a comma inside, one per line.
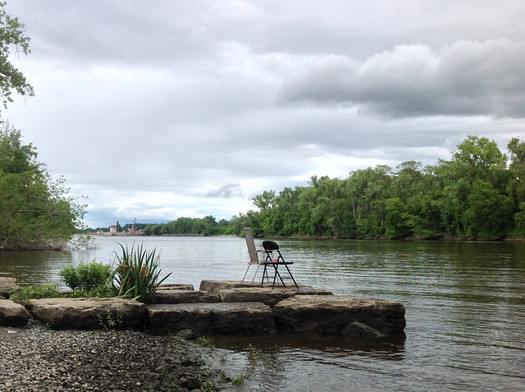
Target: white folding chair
(253,252)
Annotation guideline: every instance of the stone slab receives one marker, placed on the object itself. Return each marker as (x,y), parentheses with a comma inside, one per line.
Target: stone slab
(214,286)
(267,296)
(308,290)
(12,314)
(175,286)
(246,318)
(89,313)
(334,315)
(174,296)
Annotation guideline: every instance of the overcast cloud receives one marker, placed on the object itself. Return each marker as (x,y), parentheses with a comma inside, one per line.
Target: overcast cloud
(163,109)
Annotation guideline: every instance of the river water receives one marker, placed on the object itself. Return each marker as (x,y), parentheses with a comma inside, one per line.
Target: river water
(465,307)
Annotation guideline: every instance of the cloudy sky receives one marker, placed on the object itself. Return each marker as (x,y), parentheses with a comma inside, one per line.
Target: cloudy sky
(163,109)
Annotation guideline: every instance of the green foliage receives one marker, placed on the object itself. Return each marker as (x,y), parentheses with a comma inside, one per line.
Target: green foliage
(12,35)
(35,211)
(137,273)
(205,341)
(189,226)
(87,277)
(478,194)
(24,294)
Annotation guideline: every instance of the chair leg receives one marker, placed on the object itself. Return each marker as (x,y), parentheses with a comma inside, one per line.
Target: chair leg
(257,270)
(291,276)
(246,273)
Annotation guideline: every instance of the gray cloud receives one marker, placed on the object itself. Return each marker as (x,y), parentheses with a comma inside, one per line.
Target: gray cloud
(226,191)
(467,78)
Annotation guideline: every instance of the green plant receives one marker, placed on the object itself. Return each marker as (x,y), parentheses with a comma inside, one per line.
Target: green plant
(137,273)
(110,322)
(238,380)
(208,387)
(97,292)
(23,295)
(86,276)
(205,341)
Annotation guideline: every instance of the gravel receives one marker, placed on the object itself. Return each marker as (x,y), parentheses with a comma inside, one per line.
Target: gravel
(40,359)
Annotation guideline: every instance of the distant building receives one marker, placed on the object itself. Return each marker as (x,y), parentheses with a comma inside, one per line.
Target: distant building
(113,229)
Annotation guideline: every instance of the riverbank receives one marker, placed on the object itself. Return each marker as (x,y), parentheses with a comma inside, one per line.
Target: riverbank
(36,358)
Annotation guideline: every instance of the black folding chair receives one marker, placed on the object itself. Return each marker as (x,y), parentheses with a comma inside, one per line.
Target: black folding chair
(269,248)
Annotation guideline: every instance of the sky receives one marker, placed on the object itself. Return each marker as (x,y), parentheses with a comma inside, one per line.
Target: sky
(163,109)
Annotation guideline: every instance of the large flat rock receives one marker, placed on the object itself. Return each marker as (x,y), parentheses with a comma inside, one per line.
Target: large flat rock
(214,286)
(176,296)
(267,296)
(89,313)
(12,314)
(175,286)
(339,315)
(245,318)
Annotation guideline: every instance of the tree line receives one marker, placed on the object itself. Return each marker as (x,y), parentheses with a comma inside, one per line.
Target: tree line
(478,194)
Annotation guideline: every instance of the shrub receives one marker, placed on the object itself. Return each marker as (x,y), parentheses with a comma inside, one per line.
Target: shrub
(86,276)
(137,273)
(23,295)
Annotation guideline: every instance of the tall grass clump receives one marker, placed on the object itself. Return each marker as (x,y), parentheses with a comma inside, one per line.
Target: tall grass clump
(137,273)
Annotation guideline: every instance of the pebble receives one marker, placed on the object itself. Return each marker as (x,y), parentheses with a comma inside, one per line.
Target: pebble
(40,359)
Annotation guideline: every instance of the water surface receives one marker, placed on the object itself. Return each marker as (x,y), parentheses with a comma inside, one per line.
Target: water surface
(465,310)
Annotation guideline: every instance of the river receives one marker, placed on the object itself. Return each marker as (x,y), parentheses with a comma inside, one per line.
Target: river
(465,305)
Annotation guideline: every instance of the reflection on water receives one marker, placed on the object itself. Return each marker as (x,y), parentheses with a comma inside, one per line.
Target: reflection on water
(465,310)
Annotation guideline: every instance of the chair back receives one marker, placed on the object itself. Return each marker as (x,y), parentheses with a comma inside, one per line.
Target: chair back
(248,236)
(269,247)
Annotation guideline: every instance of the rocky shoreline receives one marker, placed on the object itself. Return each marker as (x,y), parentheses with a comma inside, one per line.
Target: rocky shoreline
(36,358)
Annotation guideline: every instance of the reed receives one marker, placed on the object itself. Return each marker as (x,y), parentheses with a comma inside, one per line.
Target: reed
(137,274)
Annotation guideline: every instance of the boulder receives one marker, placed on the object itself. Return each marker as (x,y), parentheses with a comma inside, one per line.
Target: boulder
(246,318)
(89,313)
(12,314)
(267,296)
(6,286)
(334,315)
(214,286)
(358,329)
(175,296)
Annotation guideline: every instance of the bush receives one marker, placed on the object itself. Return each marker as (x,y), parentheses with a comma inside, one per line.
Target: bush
(137,274)
(86,276)
(23,295)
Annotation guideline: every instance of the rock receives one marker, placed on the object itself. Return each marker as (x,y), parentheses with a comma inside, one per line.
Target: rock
(214,286)
(89,313)
(175,296)
(267,296)
(187,334)
(308,290)
(12,314)
(176,286)
(361,330)
(332,314)
(244,318)
(7,285)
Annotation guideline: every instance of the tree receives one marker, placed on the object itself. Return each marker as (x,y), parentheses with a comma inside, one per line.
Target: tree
(35,211)
(516,186)
(12,35)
